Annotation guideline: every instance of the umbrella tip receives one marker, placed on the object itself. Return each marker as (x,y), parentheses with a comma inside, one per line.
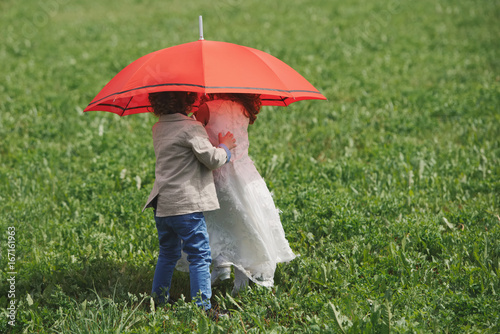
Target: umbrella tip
(200,20)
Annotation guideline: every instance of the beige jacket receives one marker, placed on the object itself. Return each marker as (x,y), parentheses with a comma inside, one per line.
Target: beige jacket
(185,159)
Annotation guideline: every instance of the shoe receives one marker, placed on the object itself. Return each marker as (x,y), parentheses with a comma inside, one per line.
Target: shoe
(237,288)
(219,274)
(240,282)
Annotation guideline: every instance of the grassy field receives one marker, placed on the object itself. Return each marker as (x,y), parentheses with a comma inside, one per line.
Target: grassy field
(390,190)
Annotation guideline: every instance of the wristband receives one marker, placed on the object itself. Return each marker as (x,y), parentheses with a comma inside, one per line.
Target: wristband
(228,153)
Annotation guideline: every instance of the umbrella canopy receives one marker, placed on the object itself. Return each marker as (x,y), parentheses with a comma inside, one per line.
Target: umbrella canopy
(203,67)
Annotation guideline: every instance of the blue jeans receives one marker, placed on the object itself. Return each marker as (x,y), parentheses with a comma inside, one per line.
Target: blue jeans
(189,232)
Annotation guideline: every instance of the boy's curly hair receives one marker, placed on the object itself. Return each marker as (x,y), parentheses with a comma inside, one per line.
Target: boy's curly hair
(164,103)
(251,102)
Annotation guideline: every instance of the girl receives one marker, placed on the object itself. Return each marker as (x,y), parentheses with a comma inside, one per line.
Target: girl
(246,232)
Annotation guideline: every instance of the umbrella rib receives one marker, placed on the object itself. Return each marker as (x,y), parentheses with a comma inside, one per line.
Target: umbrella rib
(282,99)
(252,51)
(125,109)
(207,87)
(122,108)
(112,105)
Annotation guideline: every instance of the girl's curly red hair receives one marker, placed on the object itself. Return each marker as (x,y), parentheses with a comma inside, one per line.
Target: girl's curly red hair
(251,102)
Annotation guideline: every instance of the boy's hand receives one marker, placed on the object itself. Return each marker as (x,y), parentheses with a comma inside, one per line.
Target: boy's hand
(228,140)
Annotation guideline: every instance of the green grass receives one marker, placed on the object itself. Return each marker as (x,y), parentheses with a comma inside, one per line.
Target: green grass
(389,190)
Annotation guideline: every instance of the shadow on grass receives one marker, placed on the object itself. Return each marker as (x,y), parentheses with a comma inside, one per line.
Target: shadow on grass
(104,277)
(81,281)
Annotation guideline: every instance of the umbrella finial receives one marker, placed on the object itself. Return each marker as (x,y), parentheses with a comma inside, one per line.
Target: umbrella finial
(201,28)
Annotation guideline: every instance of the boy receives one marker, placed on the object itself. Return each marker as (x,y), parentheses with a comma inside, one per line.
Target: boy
(183,189)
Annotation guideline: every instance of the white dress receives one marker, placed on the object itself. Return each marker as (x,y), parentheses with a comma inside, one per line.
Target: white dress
(246,231)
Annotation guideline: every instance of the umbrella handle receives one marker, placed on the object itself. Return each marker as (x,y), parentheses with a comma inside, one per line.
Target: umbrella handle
(201,27)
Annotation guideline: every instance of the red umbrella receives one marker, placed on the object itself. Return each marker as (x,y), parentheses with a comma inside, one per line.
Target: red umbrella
(204,67)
